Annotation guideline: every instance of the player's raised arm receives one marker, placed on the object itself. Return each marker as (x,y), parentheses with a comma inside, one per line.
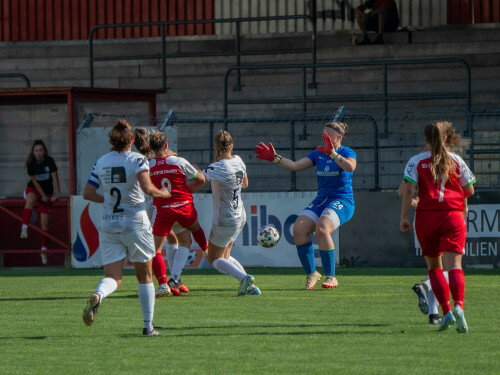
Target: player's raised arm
(268,153)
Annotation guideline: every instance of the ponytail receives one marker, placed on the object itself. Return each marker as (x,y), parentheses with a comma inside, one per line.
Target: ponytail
(442,165)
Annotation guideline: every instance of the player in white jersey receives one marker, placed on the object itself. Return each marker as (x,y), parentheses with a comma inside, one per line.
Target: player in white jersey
(228,176)
(122,177)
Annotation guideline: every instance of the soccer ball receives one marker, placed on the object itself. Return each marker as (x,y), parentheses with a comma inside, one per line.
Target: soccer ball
(268,236)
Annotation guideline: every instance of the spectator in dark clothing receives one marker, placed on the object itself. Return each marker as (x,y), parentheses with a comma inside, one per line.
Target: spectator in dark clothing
(383,17)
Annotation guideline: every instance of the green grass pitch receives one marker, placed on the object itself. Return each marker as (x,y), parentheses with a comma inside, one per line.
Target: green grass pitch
(371,324)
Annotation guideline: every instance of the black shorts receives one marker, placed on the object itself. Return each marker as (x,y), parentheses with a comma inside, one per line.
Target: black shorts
(391,25)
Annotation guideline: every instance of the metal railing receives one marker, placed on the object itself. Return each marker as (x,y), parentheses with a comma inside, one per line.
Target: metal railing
(16,75)
(237,52)
(385,97)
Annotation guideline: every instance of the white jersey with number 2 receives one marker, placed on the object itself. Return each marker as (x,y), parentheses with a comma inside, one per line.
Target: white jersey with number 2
(226,178)
(115,174)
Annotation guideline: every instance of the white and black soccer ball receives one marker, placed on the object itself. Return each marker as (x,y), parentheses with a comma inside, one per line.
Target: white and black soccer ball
(268,236)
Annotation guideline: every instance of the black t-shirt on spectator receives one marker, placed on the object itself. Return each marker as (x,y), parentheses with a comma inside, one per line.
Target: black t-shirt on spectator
(43,174)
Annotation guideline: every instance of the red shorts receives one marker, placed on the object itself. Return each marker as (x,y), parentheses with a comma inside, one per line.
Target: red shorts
(186,215)
(43,208)
(440,231)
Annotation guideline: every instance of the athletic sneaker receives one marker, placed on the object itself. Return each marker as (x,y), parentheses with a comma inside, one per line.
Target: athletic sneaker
(330,283)
(182,287)
(434,319)
(153,332)
(422,298)
(44,258)
(174,288)
(458,314)
(312,279)
(255,291)
(447,322)
(162,291)
(91,309)
(24,232)
(245,283)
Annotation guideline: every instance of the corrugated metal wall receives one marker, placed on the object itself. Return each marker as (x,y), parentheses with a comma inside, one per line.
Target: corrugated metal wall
(473,11)
(43,20)
(336,15)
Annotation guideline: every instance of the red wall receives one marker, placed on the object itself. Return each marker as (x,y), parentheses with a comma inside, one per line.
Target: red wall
(42,20)
(473,11)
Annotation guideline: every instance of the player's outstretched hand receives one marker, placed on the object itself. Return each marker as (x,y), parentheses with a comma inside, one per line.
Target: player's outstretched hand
(265,152)
(327,147)
(405,225)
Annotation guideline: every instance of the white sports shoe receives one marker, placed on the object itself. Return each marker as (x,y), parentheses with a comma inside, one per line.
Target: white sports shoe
(163,291)
(458,313)
(24,232)
(253,290)
(245,283)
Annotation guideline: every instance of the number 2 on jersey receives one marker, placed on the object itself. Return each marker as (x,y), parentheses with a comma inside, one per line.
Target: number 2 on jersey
(112,192)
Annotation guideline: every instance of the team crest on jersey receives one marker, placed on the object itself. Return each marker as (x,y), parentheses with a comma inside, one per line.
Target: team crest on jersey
(118,175)
(327,168)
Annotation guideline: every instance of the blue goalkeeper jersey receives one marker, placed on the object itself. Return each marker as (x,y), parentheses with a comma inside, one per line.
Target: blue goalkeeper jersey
(333,181)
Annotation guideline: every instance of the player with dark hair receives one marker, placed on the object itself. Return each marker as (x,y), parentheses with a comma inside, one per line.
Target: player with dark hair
(177,211)
(43,181)
(125,230)
(444,182)
(332,207)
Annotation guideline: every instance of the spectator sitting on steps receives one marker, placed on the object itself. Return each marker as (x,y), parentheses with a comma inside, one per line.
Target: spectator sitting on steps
(383,17)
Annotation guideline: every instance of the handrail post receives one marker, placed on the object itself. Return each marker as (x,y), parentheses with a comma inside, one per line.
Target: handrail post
(386,103)
(304,91)
(164,58)
(237,87)
(226,75)
(313,84)
(470,130)
(91,56)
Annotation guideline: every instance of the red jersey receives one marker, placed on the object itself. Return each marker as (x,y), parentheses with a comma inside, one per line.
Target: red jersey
(172,172)
(440,195)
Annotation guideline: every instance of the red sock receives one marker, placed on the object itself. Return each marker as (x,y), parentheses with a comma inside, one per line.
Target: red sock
(43,241)
(159,269)
(457,286)
(440,288)
(27,215)
(199,237)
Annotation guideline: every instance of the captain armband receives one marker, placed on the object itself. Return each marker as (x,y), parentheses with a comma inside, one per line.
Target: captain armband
(277,159)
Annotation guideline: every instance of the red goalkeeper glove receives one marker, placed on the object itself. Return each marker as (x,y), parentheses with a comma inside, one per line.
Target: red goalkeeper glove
(327,147)
(267,153)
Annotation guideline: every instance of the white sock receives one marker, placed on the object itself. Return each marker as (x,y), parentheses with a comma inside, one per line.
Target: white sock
(170,251)
(106,286)
(433,303)
(445,273)
(237,264)
(250,288)
(147,300)
(181,256)
(228,268)
(428,283)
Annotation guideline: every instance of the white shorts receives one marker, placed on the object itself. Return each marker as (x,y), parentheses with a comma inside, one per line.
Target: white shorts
(221,236)
(138,246)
